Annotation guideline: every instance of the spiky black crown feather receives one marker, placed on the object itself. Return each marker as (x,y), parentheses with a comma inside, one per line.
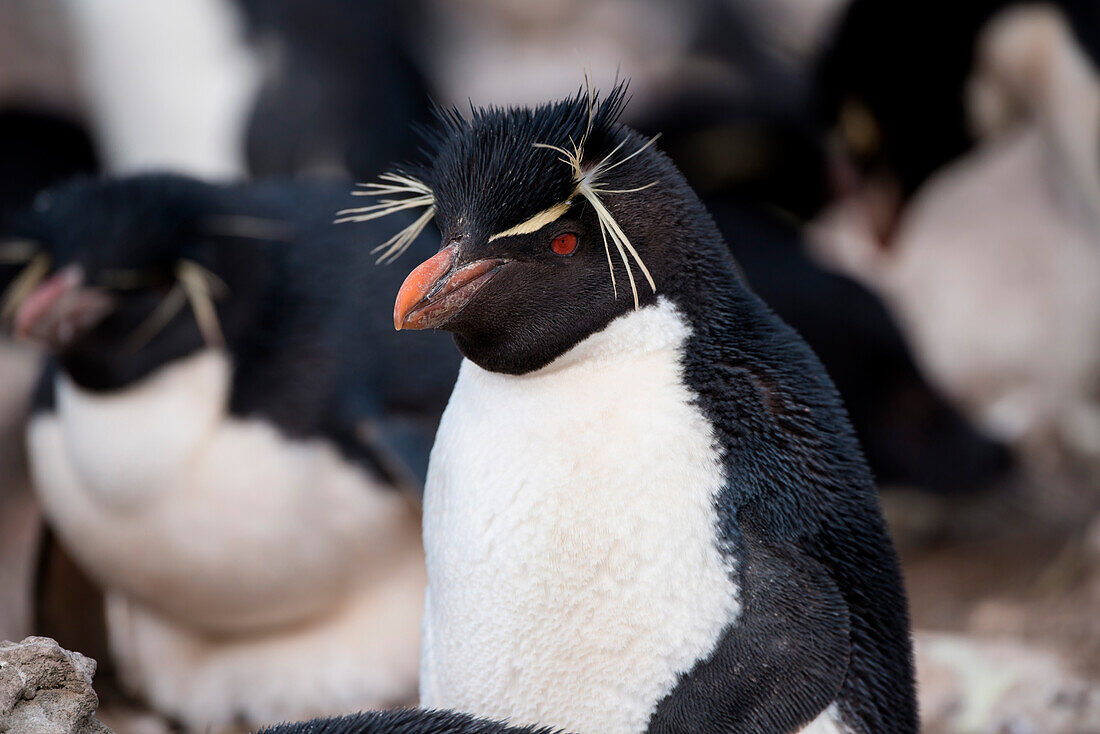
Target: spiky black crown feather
(503,170)
(491,170)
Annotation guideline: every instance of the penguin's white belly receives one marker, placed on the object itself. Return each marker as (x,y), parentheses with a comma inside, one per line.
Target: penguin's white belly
(570,529)
(220,523)
(361,654)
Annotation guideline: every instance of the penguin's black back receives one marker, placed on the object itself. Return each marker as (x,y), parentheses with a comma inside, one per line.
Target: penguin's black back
(910,433)
(822,595)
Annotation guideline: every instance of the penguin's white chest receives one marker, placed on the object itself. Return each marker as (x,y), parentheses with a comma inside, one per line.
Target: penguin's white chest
(570,528)
(221,522)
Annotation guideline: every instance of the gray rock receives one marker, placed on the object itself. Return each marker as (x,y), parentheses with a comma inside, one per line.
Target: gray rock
(46,690)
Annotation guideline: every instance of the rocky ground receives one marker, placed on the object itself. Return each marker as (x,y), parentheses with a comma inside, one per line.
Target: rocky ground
(1005,595)
(46,690)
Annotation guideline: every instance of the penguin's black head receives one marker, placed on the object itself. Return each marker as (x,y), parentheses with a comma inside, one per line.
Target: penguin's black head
(121,276)
(553,223)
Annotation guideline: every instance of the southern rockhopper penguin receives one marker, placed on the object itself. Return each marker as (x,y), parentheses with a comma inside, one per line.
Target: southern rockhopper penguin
(218,437)
(646,510)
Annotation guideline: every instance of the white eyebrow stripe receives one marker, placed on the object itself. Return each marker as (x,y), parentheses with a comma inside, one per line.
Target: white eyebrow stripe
(537,222)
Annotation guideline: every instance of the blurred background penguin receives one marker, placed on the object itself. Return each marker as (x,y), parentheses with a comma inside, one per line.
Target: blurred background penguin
(229,440)
(914,186)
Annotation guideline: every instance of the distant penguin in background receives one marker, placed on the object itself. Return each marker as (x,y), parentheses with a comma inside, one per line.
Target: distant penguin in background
(971,203)
(340,86)
(166,86)
(761,175)
(222,438)
(646,510)
(899,114)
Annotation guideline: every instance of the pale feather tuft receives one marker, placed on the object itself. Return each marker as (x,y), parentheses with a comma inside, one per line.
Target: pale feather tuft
(18,251)
(197,286)
(23,284)
(415,195)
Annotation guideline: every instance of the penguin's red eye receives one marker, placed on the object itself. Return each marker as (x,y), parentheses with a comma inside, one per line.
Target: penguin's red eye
(564,244)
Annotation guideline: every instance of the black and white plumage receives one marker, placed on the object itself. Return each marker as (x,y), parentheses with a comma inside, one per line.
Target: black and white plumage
(755,171)
(649,517)
(219,435)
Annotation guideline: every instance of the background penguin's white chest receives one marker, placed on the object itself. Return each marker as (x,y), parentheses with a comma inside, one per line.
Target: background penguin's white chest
(307,571)
(218,520)
(569,525)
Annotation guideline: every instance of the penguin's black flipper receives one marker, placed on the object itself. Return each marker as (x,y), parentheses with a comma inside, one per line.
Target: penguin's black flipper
(43,396)
(404,444)
(389,426)
(780,664)
(411,721)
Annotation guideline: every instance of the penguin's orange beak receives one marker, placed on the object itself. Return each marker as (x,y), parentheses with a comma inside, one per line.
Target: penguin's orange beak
(60,308)
(438,289)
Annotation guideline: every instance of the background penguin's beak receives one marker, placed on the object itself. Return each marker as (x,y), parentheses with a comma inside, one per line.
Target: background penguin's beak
(438,289)
(60,308)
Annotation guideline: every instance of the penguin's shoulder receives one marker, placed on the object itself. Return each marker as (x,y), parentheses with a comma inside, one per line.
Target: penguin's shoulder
(788,449)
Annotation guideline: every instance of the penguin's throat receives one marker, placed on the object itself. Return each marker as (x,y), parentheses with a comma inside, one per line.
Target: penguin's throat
(654,329)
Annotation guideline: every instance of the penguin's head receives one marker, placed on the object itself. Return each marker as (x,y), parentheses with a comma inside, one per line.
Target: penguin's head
(126,275)
(554,221)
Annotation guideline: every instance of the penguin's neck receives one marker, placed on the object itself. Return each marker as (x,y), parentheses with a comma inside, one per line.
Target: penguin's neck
(658,329)
(570,531)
